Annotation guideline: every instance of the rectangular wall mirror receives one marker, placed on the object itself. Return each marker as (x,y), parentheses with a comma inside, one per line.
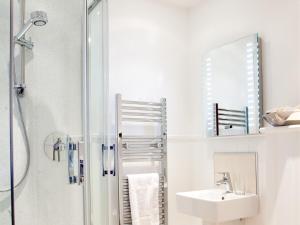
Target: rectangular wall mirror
(233,96)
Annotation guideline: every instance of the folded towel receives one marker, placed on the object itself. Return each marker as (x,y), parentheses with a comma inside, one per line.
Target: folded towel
(144,201)
(283,116)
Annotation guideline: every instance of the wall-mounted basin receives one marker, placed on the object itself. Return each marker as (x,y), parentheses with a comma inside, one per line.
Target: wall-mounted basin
(215,206)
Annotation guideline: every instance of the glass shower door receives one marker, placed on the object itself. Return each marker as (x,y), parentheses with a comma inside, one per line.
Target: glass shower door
(5,193)
(96,93)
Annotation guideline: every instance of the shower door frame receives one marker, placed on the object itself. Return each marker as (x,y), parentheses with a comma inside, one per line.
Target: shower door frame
(87,195)
(11,136)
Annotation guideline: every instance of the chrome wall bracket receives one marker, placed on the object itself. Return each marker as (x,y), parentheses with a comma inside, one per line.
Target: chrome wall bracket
(25,43)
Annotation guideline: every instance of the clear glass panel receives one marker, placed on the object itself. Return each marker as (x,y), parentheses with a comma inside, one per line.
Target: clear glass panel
(97,114)
(51,103)
(5,204)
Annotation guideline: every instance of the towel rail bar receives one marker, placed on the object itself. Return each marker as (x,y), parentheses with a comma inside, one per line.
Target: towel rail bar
(229,119)
(232,115)
(234,120)
(137,120)
(125,137)
(143,148)
(143,159)
(127,102)
(233,124)
(142,114)
(149,154)
(139,108)
(143,154)
(231,110)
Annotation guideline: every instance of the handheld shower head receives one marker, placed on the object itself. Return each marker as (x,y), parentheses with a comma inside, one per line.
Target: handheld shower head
(37,18)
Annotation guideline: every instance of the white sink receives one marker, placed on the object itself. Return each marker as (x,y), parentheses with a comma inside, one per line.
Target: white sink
(215,206)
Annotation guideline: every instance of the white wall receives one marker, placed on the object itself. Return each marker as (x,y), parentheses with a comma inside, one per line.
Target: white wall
(277,22)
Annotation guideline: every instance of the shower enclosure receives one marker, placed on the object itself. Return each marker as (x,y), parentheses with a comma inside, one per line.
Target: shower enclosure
(53,80)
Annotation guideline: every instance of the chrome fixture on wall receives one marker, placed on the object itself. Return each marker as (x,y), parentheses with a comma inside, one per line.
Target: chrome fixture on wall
(226,180)
(37,18)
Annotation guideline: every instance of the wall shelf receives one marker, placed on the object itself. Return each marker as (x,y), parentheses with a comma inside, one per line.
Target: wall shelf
(262,132)
(234,137)
(282,129)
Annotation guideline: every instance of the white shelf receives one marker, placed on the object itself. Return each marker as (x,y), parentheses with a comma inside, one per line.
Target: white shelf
(262,132)
(246,136)
(282,129)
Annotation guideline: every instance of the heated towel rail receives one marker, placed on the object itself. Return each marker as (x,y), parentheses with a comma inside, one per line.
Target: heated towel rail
(229,118)
(146,153)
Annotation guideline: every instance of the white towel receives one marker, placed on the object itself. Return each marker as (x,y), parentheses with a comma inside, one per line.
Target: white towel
(144,201)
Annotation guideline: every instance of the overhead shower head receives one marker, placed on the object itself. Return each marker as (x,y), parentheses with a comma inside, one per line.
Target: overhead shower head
(37,18)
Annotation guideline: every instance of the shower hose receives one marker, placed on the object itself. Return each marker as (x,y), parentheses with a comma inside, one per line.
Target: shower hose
(25,137)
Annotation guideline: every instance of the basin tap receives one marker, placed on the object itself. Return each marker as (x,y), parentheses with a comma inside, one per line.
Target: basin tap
(226,180)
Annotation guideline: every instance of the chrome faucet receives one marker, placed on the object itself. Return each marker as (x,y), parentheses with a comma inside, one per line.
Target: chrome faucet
(226,180)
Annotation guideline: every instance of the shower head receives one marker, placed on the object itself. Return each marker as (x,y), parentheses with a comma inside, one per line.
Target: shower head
(37,18)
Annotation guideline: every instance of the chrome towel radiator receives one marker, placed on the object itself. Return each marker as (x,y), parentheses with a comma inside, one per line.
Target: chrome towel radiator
(140,152)
(229,118)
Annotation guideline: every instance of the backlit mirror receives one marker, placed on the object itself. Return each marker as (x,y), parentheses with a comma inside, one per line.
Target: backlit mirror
(233,86)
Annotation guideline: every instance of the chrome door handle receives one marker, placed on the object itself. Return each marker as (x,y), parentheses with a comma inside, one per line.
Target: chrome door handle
(113,148)
(104,170)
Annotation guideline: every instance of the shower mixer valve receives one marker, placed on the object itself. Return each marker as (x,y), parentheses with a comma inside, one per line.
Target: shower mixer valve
(62,148)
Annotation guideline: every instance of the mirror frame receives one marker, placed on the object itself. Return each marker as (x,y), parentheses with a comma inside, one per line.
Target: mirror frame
(212,110)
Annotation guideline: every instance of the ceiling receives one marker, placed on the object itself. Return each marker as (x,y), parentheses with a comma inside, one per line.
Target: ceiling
(184,3)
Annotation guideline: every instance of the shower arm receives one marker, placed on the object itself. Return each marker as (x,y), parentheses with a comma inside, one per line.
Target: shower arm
(25,28)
